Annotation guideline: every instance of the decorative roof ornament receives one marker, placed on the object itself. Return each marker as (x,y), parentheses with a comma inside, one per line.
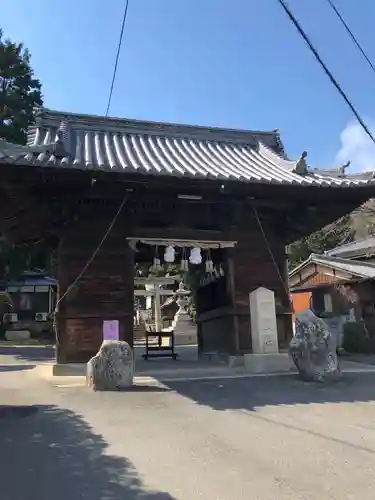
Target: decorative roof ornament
(280,145)
(39,112)
(61,146)
(301,165)
(343,168)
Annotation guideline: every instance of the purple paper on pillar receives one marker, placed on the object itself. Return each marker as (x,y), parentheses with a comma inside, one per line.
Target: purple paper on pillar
(111,329)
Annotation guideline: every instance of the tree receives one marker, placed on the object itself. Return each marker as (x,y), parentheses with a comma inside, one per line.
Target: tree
(20,91)
(325,239)
(14,260)
(20,96)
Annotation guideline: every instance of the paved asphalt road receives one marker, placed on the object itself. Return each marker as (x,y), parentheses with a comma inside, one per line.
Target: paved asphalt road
(262,438)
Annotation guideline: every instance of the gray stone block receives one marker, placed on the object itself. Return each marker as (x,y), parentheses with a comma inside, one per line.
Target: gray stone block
(112,368)
(17,335)
(313,349)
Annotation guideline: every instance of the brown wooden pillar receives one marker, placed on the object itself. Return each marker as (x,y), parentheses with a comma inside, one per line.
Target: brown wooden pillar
(285,312)
(104,292)
(242,268)
(233,340)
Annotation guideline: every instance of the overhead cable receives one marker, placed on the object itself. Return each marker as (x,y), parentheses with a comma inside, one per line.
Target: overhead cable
(125,15)
(351,34)
(326,70)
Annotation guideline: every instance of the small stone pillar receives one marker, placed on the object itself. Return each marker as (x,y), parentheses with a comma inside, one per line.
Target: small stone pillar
(265,357)
(263,322)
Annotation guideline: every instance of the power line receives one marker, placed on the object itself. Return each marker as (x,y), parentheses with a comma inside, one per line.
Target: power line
(269,249)
(351,34)
(117,56)
(326,70)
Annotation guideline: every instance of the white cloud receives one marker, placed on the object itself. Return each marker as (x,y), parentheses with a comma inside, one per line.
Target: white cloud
(357,147)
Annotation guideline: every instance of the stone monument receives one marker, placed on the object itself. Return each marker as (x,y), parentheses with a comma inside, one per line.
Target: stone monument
(185,331)
(263,322)
(265,356)
(112,368)
(313,349)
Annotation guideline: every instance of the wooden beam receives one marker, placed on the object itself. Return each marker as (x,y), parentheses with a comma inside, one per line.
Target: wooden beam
(145,293)
(156,280)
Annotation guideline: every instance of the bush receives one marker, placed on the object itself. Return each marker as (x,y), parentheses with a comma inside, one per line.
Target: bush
(356,339)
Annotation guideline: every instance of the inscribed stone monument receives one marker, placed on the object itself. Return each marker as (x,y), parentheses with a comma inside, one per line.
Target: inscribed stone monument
(263,322)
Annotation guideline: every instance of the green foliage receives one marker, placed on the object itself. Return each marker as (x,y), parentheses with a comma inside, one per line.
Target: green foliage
(20,96)
(356,340)
(325,239)
(20,92)
(6,303)
(14,260)
(144,269)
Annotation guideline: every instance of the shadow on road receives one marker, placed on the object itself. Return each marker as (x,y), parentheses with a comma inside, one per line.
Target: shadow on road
(256,392)
(15,368)
(144,388)
(33,354)
(53,454)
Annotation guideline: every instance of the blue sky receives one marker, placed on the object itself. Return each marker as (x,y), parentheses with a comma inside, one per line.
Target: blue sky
(229,63)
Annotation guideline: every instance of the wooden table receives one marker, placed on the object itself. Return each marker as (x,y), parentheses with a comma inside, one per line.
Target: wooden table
(159,350)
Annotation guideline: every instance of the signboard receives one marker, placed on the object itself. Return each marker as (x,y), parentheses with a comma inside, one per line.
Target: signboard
(111,329)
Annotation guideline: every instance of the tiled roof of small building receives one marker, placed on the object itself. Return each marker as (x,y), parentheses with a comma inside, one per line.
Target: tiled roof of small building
(363,270)
(96,143)
(354,248)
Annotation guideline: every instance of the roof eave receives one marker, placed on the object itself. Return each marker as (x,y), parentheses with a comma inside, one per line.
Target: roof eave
(303,264)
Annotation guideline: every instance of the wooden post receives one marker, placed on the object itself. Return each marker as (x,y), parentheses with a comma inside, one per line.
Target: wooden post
(232,293)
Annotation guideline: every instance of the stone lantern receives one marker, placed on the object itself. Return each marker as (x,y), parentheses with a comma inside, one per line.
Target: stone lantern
(185,330)
(182,295)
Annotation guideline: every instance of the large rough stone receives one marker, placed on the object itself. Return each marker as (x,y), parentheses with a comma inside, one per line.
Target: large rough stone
(112,368)
(313,349)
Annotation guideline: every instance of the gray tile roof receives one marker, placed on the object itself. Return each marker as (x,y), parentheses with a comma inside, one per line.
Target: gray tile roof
(354,248)
(356,268)
(95,143)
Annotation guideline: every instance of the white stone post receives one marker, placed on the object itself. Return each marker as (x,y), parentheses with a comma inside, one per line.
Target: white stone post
(157,305)
(265,357)
(263,321)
